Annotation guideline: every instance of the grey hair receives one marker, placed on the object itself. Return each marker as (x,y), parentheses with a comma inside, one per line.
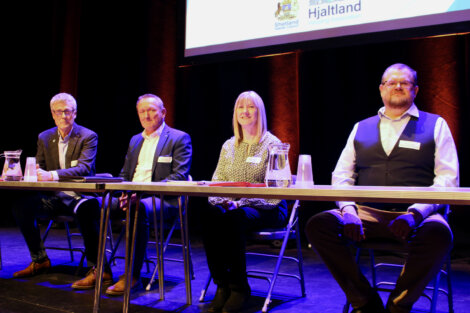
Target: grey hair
(150,95)
(64,97)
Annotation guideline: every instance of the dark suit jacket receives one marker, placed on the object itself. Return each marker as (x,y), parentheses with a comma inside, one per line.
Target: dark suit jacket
(172,159)
(80,157)
(81,152)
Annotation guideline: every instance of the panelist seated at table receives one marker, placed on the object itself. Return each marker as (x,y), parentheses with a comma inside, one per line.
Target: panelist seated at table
(243,157)
(401,146)
(157,154)
(65,150)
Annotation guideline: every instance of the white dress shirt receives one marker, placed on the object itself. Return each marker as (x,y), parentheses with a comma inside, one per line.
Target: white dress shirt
(143,170)
(446,164)
(63,145)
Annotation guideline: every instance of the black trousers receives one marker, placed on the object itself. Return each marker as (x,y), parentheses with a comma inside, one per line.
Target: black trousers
(224,238)
(31,205)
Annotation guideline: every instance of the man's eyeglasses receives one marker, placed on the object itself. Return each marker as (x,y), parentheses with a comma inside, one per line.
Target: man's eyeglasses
(60,113)
(393,84)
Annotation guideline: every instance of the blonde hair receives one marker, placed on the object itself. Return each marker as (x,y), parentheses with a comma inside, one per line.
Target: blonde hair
(261,118)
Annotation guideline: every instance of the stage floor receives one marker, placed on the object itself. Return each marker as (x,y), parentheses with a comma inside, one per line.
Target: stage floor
(51,292)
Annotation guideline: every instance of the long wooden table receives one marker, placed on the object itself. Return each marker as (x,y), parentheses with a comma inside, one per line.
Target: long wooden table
(455,196)
(53,186)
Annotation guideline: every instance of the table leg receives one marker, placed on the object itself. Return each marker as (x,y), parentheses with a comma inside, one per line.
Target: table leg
(161,241)
(182,206)
(104,222)
(130,252)
(155,231)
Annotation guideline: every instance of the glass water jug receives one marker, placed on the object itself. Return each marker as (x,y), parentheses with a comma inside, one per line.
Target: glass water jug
(278,173)
(12,166)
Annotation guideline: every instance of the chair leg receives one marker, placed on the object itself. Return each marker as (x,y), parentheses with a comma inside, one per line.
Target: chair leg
(450,294)
(110,240)
(290,225)
(373,269)
(204,290)
(152,279)
(69,240)
(44,237)
(435,292)
(80,265)
(112,257)
(300,259)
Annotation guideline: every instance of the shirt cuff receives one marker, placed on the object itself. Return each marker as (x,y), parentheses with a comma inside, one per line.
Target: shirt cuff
(352,204)
(342,204)
(424,209)
(55,176)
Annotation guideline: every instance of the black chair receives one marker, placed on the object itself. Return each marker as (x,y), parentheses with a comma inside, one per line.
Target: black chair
(399,249)
(66,221)
(291,231)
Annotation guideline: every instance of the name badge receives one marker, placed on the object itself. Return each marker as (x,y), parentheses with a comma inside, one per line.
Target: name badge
(165,159)
(254,160)
(73,163)
(409,144)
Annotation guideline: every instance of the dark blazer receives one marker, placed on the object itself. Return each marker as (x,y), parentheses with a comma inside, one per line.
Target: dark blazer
(172,159)
(80,157)
(81,152)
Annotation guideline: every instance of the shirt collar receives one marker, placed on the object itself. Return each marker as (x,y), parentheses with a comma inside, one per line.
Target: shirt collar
(66,138)
(155,134)
(412,111)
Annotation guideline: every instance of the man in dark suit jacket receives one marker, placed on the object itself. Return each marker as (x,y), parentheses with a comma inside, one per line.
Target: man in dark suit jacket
(159,153)
(67,149)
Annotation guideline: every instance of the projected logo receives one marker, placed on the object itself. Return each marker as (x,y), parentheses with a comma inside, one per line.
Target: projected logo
(286,14)
(286,10)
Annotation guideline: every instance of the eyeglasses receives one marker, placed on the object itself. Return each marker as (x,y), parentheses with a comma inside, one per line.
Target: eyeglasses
(60,113)
(393,84)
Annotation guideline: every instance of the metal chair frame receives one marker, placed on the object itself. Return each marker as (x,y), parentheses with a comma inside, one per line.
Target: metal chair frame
(166,243)
(65,219)
(434,286)
(291,231)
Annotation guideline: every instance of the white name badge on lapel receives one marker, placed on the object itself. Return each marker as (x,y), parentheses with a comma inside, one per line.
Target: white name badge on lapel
(254,160)
(165,159)
(409,144)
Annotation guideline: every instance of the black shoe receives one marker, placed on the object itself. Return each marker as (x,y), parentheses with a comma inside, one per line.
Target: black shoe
(237,300)
(375,305)
(221,295)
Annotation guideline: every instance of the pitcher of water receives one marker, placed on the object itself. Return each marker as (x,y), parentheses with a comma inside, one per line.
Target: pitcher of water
(278,173)
(12,167)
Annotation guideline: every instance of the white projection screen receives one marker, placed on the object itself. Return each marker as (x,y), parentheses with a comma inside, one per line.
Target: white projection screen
(221,26)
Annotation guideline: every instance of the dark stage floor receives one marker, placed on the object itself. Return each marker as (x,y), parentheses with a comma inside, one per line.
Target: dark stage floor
(52,293)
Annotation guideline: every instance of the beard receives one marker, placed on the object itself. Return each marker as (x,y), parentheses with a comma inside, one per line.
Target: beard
(398,101)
